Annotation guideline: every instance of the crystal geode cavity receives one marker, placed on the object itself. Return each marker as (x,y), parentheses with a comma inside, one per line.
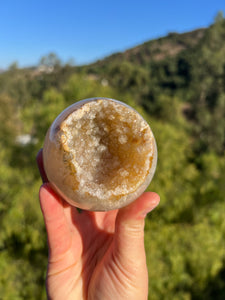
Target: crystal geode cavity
(99,154)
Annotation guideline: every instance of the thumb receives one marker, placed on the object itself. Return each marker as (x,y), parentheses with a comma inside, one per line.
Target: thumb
(129,231)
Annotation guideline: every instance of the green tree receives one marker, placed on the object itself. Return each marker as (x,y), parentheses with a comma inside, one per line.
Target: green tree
(50,60)
(207,96)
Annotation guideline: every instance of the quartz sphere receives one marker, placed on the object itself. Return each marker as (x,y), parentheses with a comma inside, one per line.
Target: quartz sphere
(99,154)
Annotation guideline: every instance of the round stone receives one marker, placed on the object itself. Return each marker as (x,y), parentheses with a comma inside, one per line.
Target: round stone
(99,154)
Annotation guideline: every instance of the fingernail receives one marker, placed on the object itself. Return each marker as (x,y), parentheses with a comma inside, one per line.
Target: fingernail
(145,212)
(154,203)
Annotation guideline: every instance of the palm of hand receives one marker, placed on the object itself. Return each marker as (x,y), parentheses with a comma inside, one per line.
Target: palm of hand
(85,261)
(95,255)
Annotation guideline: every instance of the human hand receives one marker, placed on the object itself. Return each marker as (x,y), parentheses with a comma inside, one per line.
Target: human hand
(95,255)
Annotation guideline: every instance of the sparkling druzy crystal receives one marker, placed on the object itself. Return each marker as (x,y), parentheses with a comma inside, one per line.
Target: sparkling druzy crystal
(99,154)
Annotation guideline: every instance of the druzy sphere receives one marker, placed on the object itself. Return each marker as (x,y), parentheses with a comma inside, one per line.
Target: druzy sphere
(99,154)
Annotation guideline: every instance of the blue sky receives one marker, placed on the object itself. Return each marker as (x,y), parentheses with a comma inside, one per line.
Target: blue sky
(89,30)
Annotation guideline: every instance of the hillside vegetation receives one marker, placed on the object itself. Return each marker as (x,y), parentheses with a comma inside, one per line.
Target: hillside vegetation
(178,84)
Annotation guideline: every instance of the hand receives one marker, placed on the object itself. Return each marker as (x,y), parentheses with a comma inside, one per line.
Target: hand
(95,255)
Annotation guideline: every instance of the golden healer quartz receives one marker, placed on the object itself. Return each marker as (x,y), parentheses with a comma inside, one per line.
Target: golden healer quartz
(99,154)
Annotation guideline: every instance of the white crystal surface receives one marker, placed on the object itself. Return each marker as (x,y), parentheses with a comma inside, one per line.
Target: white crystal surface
(93,143)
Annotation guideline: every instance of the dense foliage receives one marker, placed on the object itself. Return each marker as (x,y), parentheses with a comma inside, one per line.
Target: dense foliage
(178,85)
